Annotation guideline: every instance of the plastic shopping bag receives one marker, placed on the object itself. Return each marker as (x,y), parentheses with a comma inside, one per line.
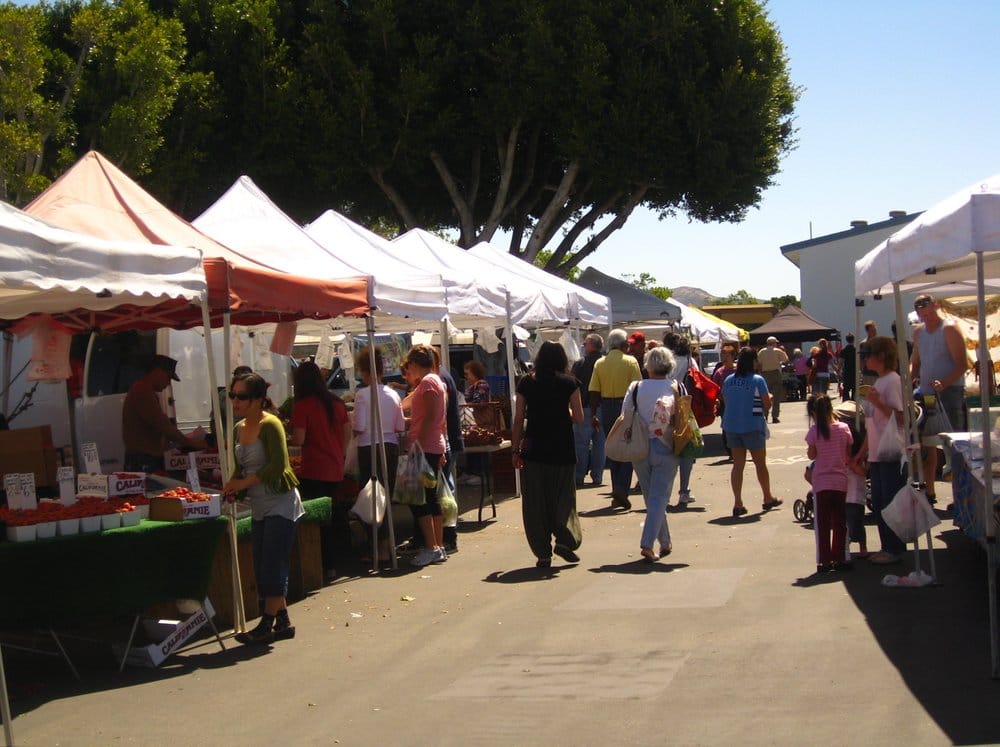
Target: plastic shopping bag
(909,514)
(412,476)
(449,505)
(890,444)
(371,498)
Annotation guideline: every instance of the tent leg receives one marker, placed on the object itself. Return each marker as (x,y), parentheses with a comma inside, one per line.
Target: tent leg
(8,730)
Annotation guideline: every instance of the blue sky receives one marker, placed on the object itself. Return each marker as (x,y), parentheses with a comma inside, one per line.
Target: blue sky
(900,108)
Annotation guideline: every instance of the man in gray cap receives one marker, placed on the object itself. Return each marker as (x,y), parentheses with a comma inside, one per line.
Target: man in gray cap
(146,429)
(771,359)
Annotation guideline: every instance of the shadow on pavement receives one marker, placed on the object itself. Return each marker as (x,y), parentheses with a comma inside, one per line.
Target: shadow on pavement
(523,575)
(638,567)
(937,636)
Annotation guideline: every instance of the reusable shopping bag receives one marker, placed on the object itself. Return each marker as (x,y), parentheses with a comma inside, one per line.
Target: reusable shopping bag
(628,441)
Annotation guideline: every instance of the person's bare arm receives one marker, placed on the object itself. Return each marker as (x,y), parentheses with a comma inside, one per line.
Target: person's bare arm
(576,407)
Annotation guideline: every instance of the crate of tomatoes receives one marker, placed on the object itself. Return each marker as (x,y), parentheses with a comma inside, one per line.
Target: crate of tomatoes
(183,504)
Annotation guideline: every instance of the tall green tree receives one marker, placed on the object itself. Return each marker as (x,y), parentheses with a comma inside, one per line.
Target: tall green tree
(27,117)
(550,119)
(739,298)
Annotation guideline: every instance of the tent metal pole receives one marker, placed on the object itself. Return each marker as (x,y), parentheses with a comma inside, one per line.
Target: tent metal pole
(511,384)
(858,305)
(989,528)
(914,462)
(380,470)
(239,610)
(8,351)
(8,730)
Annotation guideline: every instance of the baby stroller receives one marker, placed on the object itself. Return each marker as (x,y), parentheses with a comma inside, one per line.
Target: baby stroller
(802,509)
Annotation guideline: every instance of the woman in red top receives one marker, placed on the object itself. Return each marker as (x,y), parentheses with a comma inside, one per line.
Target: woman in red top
(820,364)
(427,422)
(321,426)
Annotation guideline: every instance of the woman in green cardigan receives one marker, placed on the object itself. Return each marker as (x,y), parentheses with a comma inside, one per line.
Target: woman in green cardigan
(264,475)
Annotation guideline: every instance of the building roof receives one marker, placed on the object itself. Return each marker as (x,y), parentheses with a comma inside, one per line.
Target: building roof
(791,251)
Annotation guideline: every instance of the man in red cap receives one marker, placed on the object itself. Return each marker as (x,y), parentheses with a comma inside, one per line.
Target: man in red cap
(146,429)
(637,349)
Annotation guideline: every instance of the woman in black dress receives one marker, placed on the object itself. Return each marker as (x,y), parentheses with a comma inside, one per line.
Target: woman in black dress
(545,452)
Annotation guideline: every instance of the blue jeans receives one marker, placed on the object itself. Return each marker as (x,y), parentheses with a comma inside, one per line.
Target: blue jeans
(887,479)
(589,443)
(686,465)
(621,472)
(272,554)
(656,477)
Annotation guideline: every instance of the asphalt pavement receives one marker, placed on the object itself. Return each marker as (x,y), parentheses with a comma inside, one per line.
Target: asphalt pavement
(729,640)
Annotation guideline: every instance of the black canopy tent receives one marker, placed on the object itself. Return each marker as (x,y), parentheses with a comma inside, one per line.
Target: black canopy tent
(792,324)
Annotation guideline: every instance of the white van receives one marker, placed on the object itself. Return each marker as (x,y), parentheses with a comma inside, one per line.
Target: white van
(91,412)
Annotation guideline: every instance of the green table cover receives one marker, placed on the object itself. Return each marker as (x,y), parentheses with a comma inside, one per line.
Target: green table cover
(119,572)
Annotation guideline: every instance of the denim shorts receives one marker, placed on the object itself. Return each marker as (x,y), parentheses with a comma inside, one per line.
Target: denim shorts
(751,441)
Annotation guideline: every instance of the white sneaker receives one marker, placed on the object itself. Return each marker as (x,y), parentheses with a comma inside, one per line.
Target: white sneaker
(687,498)
(440,555)
(426,556)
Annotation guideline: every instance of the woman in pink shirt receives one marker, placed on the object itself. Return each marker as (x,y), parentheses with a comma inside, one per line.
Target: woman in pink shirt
(428,427)
(830,446)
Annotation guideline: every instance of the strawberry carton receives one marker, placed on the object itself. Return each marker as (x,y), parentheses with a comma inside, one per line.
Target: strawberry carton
(182,504)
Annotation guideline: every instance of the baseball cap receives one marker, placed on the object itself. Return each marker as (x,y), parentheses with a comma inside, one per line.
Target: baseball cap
(772,338)
(167,363)
(636,337)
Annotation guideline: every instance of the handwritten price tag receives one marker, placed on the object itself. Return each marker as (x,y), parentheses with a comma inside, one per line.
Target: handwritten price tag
(20,487)
(67,485)
(91,459)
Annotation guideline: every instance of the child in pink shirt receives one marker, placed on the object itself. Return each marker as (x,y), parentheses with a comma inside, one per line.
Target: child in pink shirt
(829,444)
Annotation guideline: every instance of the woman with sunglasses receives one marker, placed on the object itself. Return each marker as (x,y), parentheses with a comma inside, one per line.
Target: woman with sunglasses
(263,474)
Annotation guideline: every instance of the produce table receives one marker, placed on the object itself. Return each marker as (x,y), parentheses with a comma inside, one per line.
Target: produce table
(968,486)
(486,473)
(81,578)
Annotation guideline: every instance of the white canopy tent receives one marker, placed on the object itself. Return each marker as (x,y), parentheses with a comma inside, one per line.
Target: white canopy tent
(246,219)
(79,279)
(583,306)
(507,292)
(948,250)
(49,270)
(468,300)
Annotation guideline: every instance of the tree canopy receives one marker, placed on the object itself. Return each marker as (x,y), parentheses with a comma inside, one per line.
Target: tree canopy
(552,120)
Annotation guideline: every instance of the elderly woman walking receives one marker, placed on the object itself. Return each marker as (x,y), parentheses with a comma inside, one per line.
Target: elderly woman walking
(657,471)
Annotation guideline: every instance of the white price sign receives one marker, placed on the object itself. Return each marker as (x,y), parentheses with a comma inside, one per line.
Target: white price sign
(20,488)
(91,459)
(92,485)
(67,485)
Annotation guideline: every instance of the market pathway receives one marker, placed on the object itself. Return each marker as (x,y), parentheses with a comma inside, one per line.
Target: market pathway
(720,643)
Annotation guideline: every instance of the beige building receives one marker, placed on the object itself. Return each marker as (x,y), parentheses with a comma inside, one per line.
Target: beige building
(826,273)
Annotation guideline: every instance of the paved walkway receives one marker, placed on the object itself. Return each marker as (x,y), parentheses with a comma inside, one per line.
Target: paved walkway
(721,643)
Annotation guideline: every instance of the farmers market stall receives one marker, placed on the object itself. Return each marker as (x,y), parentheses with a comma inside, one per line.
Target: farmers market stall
(951,247)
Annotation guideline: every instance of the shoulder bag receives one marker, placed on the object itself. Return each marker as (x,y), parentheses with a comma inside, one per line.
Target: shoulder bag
(628,441)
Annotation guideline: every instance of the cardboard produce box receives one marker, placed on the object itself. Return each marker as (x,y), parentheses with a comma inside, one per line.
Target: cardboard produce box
(29,450)
(178,509)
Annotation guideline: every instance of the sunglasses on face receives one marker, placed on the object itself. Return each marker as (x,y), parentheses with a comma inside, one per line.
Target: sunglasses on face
(921,304)
(241,396)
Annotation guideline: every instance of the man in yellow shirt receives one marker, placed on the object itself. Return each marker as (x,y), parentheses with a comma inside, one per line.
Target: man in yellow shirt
(611,378)
(771,360)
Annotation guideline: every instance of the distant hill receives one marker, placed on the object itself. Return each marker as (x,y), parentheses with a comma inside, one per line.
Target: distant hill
(692,296)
